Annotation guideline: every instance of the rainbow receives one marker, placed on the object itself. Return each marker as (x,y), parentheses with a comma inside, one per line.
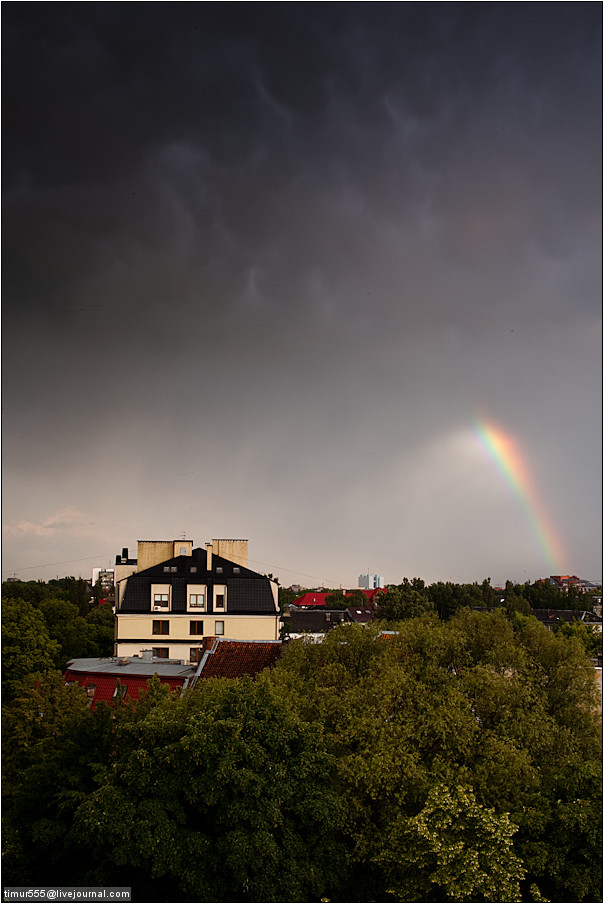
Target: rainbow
(504,452)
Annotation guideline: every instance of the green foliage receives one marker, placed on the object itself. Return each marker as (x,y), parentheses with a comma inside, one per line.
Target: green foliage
(77,636)
(407,600)
(26,644)
(436,761)
(447,598)
(31,591)
(500,713)
(336,600)
(590,640)
(356,598)
(76,590)
(51,742)
(453,850)
(52,612)
(224,795)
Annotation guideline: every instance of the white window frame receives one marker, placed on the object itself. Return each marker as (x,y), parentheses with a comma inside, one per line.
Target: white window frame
(161,597)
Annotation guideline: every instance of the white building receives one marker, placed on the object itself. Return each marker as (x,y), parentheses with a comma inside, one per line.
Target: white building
(371,581)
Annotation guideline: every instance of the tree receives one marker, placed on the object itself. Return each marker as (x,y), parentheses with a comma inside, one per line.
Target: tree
(51,745)
(404,601)
(499,712)
(590,640)
(202,803)
(452,850)
(26,644)
(336,599)
(355,598)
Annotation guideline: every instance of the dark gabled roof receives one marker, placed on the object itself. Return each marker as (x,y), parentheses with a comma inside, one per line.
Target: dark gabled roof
(556,616)
(236,658)
(312,621)
(360,615)
(248,592)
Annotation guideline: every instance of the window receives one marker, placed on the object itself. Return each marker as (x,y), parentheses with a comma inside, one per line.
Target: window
(166,569)
(236,570)
(219,628)
(193,569)
(220,600)
(196,627)
(195,654)
(183,550)
(160,652)
(196,600)
(219,569)
(90,691)
(161,627)
(173,568)
(161,599)
(120,692)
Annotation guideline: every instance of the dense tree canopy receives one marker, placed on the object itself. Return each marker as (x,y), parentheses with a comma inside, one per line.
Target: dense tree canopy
(452,758)
(62,612)
(26,643)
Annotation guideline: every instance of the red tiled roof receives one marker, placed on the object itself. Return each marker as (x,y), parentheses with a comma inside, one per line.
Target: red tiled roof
(310,599)
(317,598)
(235,658)
(105,685)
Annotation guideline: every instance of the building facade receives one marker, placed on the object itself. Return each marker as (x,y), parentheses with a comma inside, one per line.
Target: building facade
(371,581)
(175,602)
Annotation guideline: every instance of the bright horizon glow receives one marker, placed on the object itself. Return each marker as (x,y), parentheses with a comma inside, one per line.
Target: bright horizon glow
(504,452)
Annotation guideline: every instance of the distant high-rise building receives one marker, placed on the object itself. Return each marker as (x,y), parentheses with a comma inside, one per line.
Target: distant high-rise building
(371,581)
(105,576)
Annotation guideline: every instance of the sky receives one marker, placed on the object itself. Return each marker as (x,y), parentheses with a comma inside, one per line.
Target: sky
(325,276)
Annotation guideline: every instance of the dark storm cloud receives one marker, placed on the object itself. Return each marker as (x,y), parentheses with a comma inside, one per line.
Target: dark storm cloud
(329,221)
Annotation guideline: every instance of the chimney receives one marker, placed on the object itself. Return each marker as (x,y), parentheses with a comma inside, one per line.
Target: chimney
(209,556)
(147,655)
(124,555)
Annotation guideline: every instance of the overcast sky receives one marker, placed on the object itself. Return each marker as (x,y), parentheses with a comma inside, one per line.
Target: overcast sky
(268,266)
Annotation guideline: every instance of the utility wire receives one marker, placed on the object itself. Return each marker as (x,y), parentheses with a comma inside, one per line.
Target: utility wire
(52,564)
(103,555)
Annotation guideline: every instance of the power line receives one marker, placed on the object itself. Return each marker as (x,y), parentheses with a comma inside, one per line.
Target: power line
(52,564)
(295,571)
(103,555)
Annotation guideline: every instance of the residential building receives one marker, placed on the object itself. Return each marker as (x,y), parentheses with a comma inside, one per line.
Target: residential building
(316,620)
(175,597)
(104,576)
(552,617)
(566,581)
(125,678)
